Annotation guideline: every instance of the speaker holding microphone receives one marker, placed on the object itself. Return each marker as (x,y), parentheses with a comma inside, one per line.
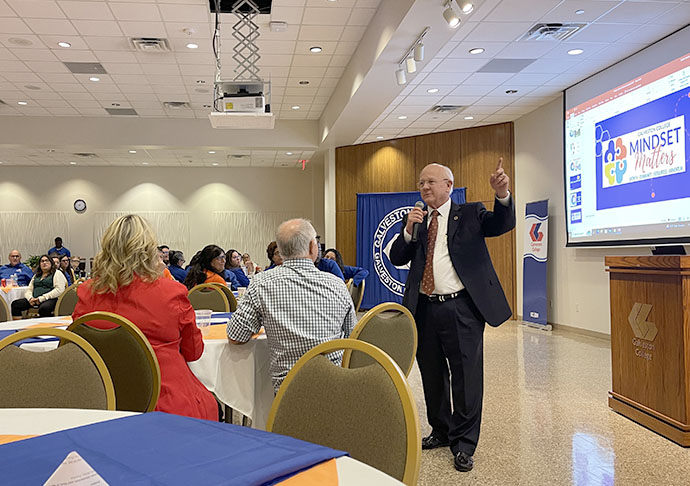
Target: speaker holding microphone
(415,227)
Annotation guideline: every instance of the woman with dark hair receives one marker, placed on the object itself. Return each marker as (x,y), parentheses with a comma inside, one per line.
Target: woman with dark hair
(208,267)
(44,289)
(357,274)
(66,270)
(176,259)
(273,254)
(233,263)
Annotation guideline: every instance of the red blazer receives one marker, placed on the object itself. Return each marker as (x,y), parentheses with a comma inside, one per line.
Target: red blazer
(163,313)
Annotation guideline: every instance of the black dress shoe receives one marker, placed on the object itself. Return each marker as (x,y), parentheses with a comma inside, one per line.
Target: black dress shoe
(432,442)
(463,462)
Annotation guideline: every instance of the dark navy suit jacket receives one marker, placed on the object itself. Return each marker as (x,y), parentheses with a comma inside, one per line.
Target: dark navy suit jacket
(468,225)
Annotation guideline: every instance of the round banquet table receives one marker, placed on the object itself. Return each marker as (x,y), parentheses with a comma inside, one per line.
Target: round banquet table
(10,294)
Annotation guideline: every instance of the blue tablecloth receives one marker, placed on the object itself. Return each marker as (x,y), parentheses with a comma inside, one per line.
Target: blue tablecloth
(9,332)
(162,449)
(221,315)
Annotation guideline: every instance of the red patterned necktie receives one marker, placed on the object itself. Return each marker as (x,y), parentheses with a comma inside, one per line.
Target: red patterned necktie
(428,277)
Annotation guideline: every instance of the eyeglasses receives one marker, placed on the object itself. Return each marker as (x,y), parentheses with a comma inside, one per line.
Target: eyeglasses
(15,256)
(220,257)
(431,182)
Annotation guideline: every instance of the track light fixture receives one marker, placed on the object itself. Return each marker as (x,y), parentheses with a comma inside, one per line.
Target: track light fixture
(400,75)
(451,17)
(454,9)
(413,55)
(466,6)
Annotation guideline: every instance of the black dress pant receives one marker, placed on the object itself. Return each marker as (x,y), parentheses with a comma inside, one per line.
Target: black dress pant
(450,355)
(45,309)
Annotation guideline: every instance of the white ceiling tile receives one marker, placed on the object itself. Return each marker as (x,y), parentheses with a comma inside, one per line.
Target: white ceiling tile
(52,26)
(489,79)
(649,33)
(129,78)
(361,16)
(616,52)
(69,111)
(25,77)
(636,12)
(678,16)
(463,31)
(13,26)
(325,16)
(600,32)
(302,47)
(346,48)
(451,65)
(592,9)
(150,57)
(105,28)
(5,10)
(320,32)
(135,11)
(339,61)
(86,10)
(561,50)
(310,61)
(510,11)
(428,100)
(491,49)
(459,100)
(43,9)
(122,68)
(291,15)
(334,72)
(143,29)
(161,69)
(188,30)
(530,79)
(446,78)
(185,13)
(353,33)
(275,60)
(71,55)
(481,109)
(551,66)
(497,32)
(526,50)
(13,66)
(35,55)
(58,78)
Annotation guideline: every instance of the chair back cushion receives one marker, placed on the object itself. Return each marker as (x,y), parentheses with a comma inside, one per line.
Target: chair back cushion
(127,362)
(209,298)
(67,302)
(393,333)
(65,377)
(5,312)
(358,411)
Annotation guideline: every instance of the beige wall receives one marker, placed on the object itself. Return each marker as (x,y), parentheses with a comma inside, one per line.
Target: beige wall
(578,291)
(198,192)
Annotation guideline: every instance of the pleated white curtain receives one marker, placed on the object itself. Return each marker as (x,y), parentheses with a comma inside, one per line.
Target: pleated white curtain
(31,232)
(248,232)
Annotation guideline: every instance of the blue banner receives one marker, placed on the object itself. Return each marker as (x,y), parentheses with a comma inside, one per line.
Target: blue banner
(379,217)
(534,262)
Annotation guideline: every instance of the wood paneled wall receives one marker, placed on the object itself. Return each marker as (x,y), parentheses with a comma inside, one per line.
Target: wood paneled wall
(394,165)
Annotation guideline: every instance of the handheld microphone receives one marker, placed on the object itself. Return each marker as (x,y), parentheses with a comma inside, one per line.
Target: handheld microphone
(415,227)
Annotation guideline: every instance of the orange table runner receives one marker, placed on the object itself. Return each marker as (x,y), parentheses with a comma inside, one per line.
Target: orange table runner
(324,474)
(219,331)
(7,438)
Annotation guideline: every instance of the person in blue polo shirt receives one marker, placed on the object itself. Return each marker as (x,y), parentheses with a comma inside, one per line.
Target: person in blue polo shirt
(22,273)
(326,265)
(59,249)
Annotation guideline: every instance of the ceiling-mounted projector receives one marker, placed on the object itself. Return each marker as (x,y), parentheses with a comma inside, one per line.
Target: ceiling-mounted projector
(242,106)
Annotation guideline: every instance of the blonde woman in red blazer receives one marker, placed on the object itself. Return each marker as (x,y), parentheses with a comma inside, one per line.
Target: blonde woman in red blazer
(128,280)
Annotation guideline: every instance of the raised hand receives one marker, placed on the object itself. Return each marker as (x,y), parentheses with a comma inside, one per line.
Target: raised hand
(499,180)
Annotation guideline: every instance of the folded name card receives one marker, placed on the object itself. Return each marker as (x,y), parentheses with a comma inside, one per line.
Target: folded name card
(75,471)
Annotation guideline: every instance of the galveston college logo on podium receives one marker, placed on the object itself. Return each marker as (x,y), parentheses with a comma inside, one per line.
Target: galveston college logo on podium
(388,229)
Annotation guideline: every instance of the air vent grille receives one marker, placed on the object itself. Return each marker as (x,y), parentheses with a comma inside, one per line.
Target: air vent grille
(552,31)
(150,44)
(447,109)
(176,105)
(85,155)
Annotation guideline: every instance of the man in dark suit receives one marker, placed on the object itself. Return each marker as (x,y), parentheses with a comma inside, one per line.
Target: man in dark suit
(452,289)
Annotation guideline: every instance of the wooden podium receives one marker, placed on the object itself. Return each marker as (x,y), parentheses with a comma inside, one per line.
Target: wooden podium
(650,342)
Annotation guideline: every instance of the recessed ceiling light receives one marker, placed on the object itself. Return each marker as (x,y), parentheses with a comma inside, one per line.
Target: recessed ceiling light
(315,49)
(476,50)
(432,90)
(191,45)
(511,91)
(579,12)
(72,163)
(132,151)
(575,52)
(402,117)
(64,44)
(380,137)
(211,151)
(288,153)
(22,103)
(94,79)
(296,107)
(215,163)
(469,118)
(144,163)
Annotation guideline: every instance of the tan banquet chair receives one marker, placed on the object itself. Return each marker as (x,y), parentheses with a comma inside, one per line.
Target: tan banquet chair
(368,412)
(232,301)
(71,376)
(5,312)
(209,296)
(357,294)
(130,359)
(390,327)
(67,301)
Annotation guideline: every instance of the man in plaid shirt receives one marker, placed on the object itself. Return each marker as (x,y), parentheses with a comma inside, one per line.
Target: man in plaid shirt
(298,305)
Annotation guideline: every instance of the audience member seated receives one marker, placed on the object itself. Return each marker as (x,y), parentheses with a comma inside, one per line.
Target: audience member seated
(165,254)
(75,263)
(357,274)
(66,270)
(16,269)
(298,305)
(58,249)
(231,278)
(250,267)
(208,267)
(127,280)
(176,261)
(327,265)
(273,254)
(56,259)
(233,263)
(44,289)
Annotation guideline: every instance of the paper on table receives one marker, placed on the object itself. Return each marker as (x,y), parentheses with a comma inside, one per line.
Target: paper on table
(75,471)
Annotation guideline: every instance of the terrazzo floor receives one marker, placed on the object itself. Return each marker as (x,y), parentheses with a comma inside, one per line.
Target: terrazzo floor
(546,420)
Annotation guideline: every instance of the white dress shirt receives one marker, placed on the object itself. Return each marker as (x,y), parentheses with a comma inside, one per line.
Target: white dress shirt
(446,280)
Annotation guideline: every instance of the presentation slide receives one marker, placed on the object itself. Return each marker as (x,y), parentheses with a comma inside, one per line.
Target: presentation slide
(627,168)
